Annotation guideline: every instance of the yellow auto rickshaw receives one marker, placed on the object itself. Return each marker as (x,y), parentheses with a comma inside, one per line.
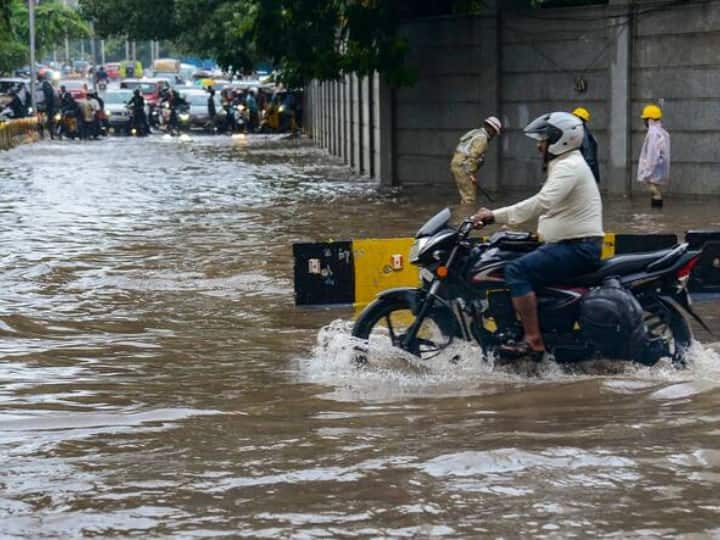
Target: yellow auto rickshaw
(131,70)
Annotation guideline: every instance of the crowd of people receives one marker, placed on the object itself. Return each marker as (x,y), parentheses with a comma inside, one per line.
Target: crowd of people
(246,110)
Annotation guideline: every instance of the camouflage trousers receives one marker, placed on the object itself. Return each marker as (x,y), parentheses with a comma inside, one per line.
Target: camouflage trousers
(467,188)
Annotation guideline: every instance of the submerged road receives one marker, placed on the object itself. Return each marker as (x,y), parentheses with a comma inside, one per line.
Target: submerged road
(157,381)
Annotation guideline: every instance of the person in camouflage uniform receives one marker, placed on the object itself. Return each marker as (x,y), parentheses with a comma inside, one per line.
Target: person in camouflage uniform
(470,155)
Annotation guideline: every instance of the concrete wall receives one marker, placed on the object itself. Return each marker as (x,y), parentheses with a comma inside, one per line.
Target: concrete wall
(457,88)
(520,64)
(676,63)
(541,59)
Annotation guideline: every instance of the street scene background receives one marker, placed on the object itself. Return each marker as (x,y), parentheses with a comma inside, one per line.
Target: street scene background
(157,380)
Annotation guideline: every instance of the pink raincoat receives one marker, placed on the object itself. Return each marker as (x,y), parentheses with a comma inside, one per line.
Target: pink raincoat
(654,163)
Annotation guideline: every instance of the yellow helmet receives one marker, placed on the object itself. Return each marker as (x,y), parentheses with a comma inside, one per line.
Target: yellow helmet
(651,111)
(582,113)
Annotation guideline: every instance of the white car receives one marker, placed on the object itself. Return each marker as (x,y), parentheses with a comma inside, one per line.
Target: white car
(116,101)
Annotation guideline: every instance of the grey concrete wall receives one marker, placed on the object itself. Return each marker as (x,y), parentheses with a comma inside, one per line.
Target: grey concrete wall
(676,63)
(457,88)
(540,61)
(520,65)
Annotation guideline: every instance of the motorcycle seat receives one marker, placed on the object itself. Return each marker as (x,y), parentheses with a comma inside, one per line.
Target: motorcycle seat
(621,265)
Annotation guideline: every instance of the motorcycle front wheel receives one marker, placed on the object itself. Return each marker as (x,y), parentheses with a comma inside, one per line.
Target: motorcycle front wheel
(385,323)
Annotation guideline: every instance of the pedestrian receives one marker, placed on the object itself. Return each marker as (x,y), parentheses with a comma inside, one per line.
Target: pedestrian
(654,163)
(470,155)
(49,98)
(589,146)
(211,106)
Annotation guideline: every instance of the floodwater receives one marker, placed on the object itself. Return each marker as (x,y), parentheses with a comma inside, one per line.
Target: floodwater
(157,381)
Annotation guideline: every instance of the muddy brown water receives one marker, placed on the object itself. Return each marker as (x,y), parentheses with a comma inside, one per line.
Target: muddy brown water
(157,381)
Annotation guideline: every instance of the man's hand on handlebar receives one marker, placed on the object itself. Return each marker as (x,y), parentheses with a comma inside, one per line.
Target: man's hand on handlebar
(482,217)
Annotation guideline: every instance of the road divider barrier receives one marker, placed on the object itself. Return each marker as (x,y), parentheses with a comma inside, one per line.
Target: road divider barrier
(353,272)
(14,132)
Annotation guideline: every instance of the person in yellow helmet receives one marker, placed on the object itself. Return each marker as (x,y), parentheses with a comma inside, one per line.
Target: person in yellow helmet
(654,163)
(589,146)
(469,156)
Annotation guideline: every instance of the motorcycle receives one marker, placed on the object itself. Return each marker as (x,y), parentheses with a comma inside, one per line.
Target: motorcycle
(174,121)
(66,124)
(136,125)
(631,308)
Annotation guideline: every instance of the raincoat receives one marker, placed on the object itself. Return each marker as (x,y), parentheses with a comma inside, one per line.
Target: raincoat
(469,156)
(654,162)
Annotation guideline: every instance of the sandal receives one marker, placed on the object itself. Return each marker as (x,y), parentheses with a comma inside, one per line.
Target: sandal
(519,350)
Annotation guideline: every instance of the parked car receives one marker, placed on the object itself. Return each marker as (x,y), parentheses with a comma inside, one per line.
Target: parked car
(78,88)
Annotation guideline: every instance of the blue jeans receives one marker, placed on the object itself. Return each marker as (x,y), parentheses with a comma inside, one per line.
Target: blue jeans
(551,264)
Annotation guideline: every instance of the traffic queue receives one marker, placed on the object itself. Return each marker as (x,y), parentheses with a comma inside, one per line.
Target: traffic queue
(89,108)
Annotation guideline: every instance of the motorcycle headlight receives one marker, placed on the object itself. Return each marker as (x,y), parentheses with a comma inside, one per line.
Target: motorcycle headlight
(417,248)
(184,117)
(58,117)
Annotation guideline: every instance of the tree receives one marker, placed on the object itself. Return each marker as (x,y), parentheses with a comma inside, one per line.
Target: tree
(53,21)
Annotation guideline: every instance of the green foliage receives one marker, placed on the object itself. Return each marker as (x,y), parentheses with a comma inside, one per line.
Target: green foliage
(135,19)
(305,39)
(53,21)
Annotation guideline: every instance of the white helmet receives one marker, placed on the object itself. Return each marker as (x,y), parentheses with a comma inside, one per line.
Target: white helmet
(563,131)
(495,123)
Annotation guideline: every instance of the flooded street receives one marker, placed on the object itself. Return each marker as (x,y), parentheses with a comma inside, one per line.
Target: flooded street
(157,380)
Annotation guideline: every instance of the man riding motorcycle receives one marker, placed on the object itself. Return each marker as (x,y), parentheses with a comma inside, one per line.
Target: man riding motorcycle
(175,101)
(569,212)
(137,105)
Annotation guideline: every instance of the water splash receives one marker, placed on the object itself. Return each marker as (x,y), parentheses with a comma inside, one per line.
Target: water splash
(463,369)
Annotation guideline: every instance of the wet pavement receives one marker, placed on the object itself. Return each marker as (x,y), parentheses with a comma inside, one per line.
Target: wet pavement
(157,381)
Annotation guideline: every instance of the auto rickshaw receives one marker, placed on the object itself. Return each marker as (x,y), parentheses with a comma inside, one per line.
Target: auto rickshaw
(131,70)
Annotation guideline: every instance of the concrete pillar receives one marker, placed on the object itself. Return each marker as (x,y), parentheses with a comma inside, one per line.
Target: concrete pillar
(366,137)
(619,124)
(354,131)
(344,103)
(384,138)
(333,119)
(326,110)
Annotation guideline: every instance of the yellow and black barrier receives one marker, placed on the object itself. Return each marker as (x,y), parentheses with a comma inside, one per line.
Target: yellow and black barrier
(354,272)
(14,132)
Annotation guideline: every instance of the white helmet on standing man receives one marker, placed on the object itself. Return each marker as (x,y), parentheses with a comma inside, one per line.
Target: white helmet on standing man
(494,122)
(563,131)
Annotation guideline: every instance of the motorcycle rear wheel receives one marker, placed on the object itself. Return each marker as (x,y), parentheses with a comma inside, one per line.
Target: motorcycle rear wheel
(672,327)
(385,322)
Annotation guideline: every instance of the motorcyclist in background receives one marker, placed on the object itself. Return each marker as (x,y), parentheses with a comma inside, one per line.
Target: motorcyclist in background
(101,76)
(50,105)
(175,101)
(569,212)
(16,106)
(137,105)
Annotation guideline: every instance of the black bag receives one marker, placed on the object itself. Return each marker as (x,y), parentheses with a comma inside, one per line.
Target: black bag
(611,319)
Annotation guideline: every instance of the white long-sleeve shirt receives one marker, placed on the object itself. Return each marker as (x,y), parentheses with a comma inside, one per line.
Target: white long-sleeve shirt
(568,205)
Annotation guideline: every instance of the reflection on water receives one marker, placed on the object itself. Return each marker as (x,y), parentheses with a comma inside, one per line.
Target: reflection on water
(157,381)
